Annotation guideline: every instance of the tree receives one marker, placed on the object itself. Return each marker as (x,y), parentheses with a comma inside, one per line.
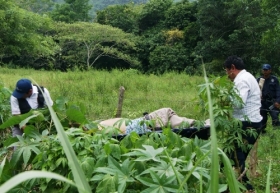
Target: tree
(270,42)
(24,33)
(153,13)
(72,11)
(36,6)
(230,27)
(93,41)
(124,17)
(167,58)
(99,5)
(180,15)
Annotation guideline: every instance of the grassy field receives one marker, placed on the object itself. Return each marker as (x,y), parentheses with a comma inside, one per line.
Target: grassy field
(97,92)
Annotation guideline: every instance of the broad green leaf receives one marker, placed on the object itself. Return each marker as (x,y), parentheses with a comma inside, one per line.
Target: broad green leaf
(61,161)
(74,114)
(45,132)
(124,172)
(10,141)
(15,120)
(34,148)
(97,177)
(87,165)
(163,169)
(16,155)
(108,184)
(145,155)
(26,155)
(161,184)
(222,187)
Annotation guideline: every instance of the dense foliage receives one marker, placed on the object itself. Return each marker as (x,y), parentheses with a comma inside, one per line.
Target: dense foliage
(71,11)
(168,35)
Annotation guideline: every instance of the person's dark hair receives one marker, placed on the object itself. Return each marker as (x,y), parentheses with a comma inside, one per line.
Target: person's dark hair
(237,61)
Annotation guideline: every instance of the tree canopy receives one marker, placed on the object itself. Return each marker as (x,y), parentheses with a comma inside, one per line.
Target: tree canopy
(93,41)
(23,32)
(153,36)
(72,11)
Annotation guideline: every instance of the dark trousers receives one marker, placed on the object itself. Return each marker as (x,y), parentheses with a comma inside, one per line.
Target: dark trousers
(274,112)
(242,155)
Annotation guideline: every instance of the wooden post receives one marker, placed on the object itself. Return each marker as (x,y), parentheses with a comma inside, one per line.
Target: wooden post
(253,161)
(120,102)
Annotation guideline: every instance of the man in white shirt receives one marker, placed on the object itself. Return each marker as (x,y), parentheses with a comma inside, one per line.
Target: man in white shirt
(249,91)
(25,98)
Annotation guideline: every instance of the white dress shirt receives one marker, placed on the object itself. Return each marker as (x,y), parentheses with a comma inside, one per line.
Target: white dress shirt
(250,92)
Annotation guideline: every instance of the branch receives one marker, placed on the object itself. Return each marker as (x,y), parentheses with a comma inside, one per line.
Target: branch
(100,55)
(241,175)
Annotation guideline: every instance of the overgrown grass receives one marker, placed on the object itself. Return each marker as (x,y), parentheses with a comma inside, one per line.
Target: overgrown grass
(98,91)
(268,151)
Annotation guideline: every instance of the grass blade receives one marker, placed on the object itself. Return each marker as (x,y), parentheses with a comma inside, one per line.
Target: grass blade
(19,178)
(214,146)
(231,179)
(2,165)
(267,187)
(79,176)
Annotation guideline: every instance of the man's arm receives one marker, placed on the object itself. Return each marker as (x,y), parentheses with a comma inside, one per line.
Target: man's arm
(14,106)
(277,90)
(15,109)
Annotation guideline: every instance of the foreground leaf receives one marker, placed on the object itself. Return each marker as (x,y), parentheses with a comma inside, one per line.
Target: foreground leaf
(19,178)
(145,155)
(78,174)
(158,184)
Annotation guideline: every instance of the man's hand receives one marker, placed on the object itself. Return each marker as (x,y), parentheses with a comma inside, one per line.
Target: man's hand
(277,105)
(23,127)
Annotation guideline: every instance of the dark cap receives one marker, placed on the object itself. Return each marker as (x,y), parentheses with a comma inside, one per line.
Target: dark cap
(22,87)
(266,67)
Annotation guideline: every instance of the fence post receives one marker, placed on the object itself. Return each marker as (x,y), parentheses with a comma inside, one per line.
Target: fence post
(120,102)
(253,161)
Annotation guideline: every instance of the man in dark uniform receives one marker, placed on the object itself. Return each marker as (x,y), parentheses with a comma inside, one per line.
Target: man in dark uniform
(270,97)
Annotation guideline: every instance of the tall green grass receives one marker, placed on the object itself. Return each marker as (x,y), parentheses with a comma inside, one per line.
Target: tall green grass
(98,91)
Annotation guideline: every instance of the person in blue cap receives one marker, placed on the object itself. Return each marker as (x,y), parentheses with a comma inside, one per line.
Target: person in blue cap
(24,98)
(270,98)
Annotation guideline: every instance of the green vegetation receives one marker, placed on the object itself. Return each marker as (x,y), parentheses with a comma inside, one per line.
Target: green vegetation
(97,91)
(152,36)
(155,162)
(85,50)
(71,11)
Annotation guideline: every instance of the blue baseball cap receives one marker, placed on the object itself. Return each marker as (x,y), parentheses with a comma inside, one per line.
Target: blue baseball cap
(266,67)
(22,87)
